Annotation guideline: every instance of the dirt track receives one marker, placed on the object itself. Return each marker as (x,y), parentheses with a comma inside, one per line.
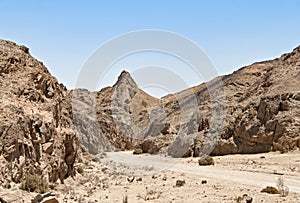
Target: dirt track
(128,163)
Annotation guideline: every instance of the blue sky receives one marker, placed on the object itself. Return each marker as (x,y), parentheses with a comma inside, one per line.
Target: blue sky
(63,34)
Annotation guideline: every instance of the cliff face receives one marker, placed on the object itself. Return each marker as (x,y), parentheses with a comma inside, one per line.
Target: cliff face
(37,135)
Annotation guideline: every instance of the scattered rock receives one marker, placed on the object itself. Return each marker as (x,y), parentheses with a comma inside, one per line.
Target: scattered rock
(49,200)
(154,176)
(244,199)
(139,179)
(251,162)
(131,179)
(205,161)
(180,183)
(2,200)
(248,199)
(270,190)
(45,198)
(284,106)
(203,181)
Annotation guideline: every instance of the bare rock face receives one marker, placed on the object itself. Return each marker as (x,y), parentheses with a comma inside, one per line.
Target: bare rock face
(37,135)
(260,112)
(115,118)
(268,125)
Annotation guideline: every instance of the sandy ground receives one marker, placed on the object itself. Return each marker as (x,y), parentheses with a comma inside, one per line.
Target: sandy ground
(232,176)
(148,178)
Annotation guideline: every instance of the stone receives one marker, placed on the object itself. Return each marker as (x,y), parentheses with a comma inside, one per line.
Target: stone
(284,106)
(49,200)
(206,161)
(249,199)
(180,183)
(297,96)
(203,181)
(47,147)
(130,179)
(139,179)
(154,176)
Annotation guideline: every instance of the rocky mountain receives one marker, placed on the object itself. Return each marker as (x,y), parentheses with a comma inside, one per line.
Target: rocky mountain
(37,135)
(252,110)
(115,117)
(44,128)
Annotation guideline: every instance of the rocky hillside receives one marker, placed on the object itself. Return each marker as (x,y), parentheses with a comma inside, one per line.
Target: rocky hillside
(37,135)
(260,112)
(252,110)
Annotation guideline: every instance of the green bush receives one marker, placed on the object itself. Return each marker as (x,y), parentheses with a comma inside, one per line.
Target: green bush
(205,161)
(34,183)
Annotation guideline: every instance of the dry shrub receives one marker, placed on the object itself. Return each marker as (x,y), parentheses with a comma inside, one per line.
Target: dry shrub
(138,151)
(34,183)
(283,189)
(80,170)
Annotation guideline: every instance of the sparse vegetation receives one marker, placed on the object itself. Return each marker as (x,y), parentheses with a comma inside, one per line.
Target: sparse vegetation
(283,189)
(239,199)
(150,195)
(34,183)
(125,199)
(243,199)
(270,190)
(137,151)
(144,103)
(80,170)
(205,161)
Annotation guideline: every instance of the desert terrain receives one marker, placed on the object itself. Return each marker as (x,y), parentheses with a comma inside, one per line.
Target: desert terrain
(231,177)
(221,141)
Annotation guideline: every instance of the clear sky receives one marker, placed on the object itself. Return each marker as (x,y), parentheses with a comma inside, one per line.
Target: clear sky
(233,33)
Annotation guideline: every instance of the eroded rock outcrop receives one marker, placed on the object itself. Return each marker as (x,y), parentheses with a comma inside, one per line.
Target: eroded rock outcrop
(37,134)
(115,118)
(260,112)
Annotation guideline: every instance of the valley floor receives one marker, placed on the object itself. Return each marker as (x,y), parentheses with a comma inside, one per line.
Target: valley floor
(153,179)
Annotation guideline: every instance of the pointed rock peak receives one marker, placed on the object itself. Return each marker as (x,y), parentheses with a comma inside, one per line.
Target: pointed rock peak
(124,74)
(125,78)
